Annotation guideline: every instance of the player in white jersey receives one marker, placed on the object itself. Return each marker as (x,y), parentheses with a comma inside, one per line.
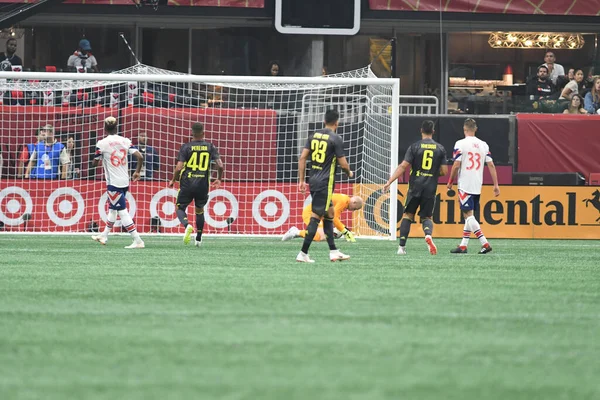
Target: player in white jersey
(112,151)
(470,154)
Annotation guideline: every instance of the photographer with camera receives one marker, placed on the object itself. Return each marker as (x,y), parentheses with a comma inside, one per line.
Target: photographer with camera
(82,60)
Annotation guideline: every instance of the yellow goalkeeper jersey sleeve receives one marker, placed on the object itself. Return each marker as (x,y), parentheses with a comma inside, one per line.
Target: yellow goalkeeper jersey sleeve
(340,203)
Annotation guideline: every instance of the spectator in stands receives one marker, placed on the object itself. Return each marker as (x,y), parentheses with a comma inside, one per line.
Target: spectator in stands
(540,87)
(324,71)
(9,57)
(82,60)
(27,151)
(151,159)
(571,74)
(573,87)
(49,159)
(592,98)
(575,105)
(588,82)
(275,69)
(561,82)
(554,70)
(73,167)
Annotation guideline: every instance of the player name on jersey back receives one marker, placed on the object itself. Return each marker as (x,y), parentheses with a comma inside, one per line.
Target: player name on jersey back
(113,151)
(473,153)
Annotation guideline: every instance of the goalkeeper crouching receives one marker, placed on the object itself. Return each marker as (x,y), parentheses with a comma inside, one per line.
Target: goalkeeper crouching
(340,202)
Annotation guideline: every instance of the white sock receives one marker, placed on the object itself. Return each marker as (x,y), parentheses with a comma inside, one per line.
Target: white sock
(476,228)
(129,225)
(110,222)
(466,234)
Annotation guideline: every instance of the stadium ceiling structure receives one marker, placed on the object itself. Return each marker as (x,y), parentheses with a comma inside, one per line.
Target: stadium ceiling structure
(21,11)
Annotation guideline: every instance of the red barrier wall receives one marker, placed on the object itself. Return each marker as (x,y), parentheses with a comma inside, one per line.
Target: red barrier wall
(199,3)
(558,143)
(556,7)
(246,139)
(18,127)
(504,172)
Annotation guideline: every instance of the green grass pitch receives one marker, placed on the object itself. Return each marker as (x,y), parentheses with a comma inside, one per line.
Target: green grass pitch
(240,319)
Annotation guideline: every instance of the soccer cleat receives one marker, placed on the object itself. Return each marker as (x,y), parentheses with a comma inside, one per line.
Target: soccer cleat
(302,257)
(459,250)
(336,255)
(292,233)
(198,243)
(401,250)
(136,245)
(431,245)
(188,234)
(486,248)
(100,239)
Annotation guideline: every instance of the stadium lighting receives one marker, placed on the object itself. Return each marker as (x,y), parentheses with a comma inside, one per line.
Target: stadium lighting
(12,33)
(535,40)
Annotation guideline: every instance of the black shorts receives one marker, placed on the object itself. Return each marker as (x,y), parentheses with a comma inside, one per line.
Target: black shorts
(198,194)
(424,204)
(321,201)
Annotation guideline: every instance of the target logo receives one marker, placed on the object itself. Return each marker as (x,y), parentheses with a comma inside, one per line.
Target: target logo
(163,205)
(65,206)
(222,206)
(14,203)
(271,209)
(103,206)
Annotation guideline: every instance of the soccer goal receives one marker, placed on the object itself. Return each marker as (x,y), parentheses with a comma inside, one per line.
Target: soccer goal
(259,125)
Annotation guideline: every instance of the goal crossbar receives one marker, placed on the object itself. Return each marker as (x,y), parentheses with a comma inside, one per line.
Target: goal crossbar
(214,79)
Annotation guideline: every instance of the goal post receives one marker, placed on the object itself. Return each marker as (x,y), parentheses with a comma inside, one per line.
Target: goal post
(259,125)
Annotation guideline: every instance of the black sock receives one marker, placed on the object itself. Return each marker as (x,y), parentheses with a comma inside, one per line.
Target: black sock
(404,230)
(428,226)
(199,225)
(328,230)
(182,215)
(311,230)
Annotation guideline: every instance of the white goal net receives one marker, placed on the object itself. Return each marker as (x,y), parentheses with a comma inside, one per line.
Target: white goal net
(259,125)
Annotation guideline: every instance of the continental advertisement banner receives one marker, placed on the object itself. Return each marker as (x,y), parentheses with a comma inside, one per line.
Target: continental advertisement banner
(525,212)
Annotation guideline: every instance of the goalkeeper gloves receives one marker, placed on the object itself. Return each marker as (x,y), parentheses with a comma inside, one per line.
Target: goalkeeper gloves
(349,235)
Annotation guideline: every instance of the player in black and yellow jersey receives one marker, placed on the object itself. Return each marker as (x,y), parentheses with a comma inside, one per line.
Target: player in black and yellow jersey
(427,161)
(193,172)
(325,150)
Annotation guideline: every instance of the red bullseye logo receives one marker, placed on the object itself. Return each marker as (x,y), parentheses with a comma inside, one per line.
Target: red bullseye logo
(271,209)
(65,206)
(15,202)
(163,205)
(222,208)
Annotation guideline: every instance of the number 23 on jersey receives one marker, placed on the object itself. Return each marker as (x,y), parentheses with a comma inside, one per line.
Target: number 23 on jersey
(318,147)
